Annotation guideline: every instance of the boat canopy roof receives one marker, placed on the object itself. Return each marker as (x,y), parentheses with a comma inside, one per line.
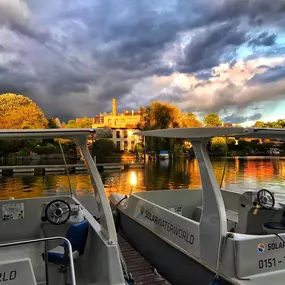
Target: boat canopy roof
(209,132)
(54,133)
(264,133)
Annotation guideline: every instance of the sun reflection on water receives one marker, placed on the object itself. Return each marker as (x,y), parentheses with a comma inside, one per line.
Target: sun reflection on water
(241,174)
(133,179)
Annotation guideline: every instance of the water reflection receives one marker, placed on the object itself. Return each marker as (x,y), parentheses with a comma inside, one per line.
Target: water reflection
(241,174)
(133,179)
(253,173)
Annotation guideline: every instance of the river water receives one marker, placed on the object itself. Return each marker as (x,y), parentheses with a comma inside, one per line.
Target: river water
(242,173)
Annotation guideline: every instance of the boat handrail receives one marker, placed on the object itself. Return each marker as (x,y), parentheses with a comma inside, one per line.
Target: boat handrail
(45,240)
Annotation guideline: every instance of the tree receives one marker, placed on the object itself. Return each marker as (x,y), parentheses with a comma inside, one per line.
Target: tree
(159,115)
(102,148)
(53,123)
(212,120)
(189,120)
(145,122)
(84,123)
(272,125)
(275,124)
(20,112)
(259,124)
(218,144)
(71,124)
(79,123)
(139,148)
(281,123)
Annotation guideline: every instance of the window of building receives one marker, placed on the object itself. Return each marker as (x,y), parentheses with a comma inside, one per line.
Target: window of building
(118,134)
(133,146)
(109,122)
(118,145)
(125,134)
(125,145)
(115,122)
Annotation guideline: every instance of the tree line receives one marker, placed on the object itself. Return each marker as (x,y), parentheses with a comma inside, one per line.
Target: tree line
(20,112)
(160,115)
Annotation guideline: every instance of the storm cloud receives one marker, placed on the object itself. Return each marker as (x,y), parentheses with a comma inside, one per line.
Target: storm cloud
(73,57)
(237,119)
(209,47)
(263,39)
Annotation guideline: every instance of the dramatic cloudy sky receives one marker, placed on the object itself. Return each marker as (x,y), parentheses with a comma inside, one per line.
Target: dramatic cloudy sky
(73,56)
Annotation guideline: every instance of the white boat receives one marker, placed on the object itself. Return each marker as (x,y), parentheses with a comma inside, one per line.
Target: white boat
(163,154)
(208,236)
(58,239)
(274,151)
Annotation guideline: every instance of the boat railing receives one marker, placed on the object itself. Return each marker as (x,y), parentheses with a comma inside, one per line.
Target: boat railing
(45,240)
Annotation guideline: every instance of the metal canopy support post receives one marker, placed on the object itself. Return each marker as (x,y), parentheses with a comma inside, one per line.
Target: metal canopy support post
(213,223)
(106,219)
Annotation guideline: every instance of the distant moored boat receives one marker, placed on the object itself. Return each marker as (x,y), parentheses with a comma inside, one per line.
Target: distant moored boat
(163,154)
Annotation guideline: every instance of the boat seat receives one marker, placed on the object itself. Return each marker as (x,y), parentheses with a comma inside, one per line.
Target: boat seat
(77,235)
(232,216)
(274,227)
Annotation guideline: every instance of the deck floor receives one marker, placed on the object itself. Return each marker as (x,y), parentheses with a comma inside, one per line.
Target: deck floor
(142,272)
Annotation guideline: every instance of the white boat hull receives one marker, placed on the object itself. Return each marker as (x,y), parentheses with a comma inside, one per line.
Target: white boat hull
(175,266)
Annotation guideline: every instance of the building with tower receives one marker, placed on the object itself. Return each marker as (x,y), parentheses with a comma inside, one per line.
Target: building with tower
(123,126)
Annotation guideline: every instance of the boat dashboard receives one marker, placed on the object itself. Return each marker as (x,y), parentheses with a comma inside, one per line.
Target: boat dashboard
(38,217)
(35,231)
(34,220)
(259,209)
(59,212)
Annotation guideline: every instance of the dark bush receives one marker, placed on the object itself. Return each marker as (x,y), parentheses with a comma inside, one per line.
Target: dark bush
(101,149)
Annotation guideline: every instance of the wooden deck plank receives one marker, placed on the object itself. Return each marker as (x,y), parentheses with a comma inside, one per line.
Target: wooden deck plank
(142,272)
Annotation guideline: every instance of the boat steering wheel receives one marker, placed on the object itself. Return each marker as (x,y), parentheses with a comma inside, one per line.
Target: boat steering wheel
(58,212)
(265,199)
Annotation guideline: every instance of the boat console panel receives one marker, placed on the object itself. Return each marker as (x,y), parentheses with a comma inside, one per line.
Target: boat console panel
(25,219)
(30,215)
(59,212)
(255,209)
(248,212)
